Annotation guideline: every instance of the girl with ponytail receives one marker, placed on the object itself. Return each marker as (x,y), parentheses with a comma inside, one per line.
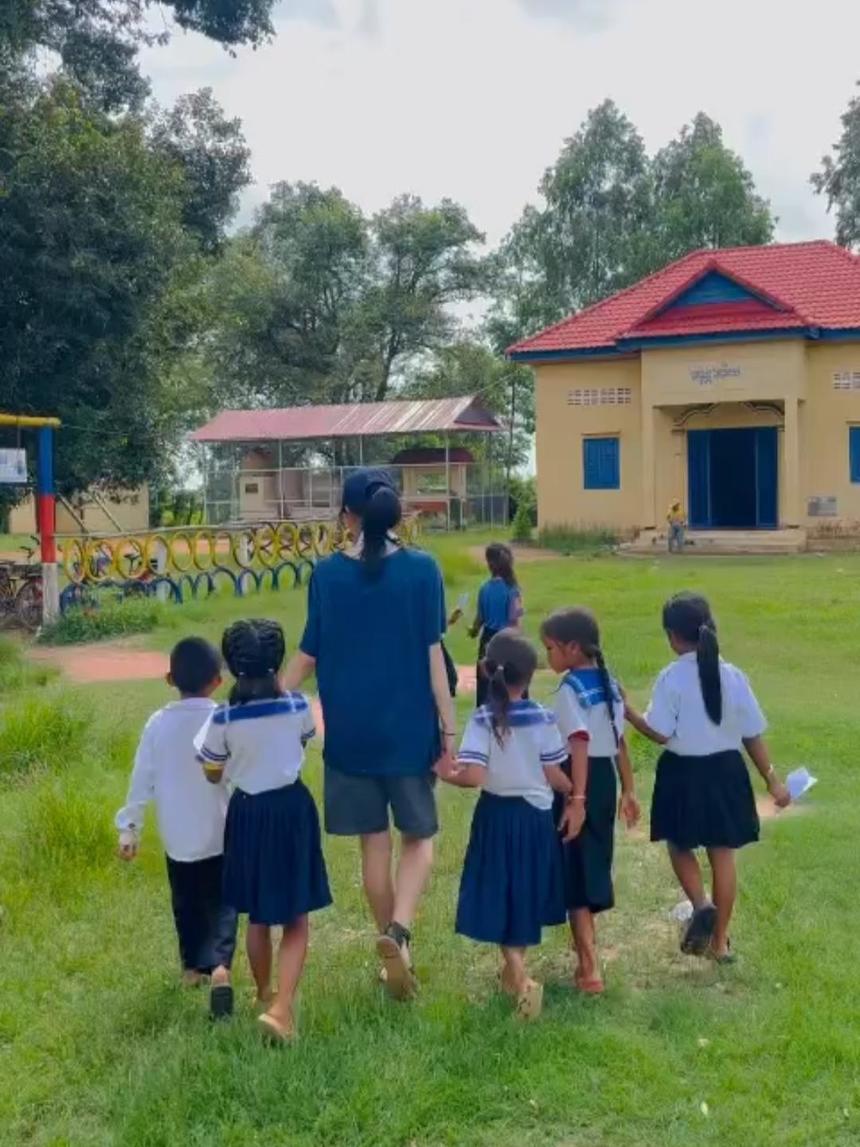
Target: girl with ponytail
(274,871)
(590,712)
(512,885)
(703,712)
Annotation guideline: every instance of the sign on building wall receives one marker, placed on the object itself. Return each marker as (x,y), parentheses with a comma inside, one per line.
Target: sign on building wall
(706,374)
(846,380)
(13,467)
(822,506)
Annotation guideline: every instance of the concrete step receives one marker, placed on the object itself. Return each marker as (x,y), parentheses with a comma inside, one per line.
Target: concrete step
(700,542)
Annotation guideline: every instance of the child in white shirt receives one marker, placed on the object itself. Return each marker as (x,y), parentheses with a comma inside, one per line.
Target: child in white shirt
(191,817)
(704,712)
(590,714)
(273,864)
(511,887)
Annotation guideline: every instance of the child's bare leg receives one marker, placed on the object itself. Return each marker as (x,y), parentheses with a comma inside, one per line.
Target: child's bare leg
(686,866)
(291,960)
(514,974)
(259,946)
(517,982)
(722,862)
(585,942)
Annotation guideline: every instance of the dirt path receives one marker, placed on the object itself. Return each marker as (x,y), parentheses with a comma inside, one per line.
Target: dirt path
(105,661)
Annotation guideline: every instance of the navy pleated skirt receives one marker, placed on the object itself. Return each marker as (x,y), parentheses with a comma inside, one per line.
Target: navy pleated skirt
(274,869)
(511,886)
(704,802)
(587,860)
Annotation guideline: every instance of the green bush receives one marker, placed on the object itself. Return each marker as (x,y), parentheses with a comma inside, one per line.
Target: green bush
(42,733)
(18,673)
(521,528)
(166,518)
(64,827)
(578,539)
(83,623)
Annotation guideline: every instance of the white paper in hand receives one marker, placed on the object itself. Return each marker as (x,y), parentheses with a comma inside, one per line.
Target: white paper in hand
(799,782)
(462,602)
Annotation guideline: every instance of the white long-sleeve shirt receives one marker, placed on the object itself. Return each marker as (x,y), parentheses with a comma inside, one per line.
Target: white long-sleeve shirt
(190,811)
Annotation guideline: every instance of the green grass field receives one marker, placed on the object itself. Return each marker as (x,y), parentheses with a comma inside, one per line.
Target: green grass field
(99,1046)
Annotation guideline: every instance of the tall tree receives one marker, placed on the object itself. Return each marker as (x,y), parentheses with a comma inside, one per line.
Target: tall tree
(318,303)
(704,196)
(96,41)
(591,237)
(213,156)
(611,215)
(423,261)
(90,234)
(839,178)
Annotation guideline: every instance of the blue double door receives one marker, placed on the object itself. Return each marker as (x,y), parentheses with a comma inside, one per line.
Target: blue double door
(733,478)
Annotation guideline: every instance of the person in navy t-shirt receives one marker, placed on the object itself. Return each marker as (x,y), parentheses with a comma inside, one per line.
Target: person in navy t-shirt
(376,615)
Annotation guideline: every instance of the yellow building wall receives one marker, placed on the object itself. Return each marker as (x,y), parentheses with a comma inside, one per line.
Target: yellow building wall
(827,416)
(665,385)
(733,372)
(131,511)
(560,430)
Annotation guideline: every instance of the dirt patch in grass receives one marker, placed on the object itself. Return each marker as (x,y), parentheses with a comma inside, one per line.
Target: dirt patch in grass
(104,661)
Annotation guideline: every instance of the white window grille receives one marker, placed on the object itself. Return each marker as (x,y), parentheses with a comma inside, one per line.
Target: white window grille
(600,396)
(846,380)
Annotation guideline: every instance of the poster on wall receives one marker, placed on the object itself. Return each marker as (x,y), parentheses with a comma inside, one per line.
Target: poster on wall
(13,467)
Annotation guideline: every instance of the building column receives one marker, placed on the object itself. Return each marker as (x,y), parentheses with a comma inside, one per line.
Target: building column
(791,463)
(649,491)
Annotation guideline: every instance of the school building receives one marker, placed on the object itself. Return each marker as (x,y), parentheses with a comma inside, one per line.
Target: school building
(730,381)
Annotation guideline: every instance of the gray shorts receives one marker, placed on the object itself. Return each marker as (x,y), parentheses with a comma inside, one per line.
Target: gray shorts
(357,805)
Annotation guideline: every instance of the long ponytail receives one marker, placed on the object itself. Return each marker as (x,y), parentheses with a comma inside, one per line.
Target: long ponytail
(689,617)
(379,517)
(510,663)
(606,685)
(708,660)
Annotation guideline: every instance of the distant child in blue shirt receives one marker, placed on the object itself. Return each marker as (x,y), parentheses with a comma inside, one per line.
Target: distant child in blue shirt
(273,864)
(500,606)
(590,711)
(512,886)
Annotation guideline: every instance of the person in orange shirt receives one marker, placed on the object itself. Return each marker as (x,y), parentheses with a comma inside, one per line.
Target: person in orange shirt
(677,520)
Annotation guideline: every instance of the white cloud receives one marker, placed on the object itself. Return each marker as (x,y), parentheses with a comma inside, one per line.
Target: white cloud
(473,99)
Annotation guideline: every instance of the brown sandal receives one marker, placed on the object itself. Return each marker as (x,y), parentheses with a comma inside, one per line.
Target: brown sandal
(275,1032)
(400,982)
(530,1001)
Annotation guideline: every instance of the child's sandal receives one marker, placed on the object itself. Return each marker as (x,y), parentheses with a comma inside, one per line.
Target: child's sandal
(221,1002)
(400,982)
(697,938)
(724,958)
(589,987)
(275,1032)
(530,1001)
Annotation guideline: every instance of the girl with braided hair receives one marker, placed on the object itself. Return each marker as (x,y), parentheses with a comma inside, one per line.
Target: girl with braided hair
(704,712)
(590,712)
(273,864)
(512,885)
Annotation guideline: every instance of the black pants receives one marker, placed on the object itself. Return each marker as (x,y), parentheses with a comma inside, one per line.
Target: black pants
(205,926)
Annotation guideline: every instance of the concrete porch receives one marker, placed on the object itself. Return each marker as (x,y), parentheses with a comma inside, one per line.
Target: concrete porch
(699,542)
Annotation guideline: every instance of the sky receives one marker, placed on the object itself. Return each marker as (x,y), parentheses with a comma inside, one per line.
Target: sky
(472,99)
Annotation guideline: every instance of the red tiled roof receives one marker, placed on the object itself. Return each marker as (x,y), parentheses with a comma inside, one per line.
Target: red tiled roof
(357,420)
(800,285)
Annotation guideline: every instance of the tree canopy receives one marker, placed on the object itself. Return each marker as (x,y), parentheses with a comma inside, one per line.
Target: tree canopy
(109,210)
(839,178)
(612,214)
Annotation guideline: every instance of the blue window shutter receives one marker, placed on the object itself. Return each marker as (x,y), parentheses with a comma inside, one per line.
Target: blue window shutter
(854,452)
(601,464)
